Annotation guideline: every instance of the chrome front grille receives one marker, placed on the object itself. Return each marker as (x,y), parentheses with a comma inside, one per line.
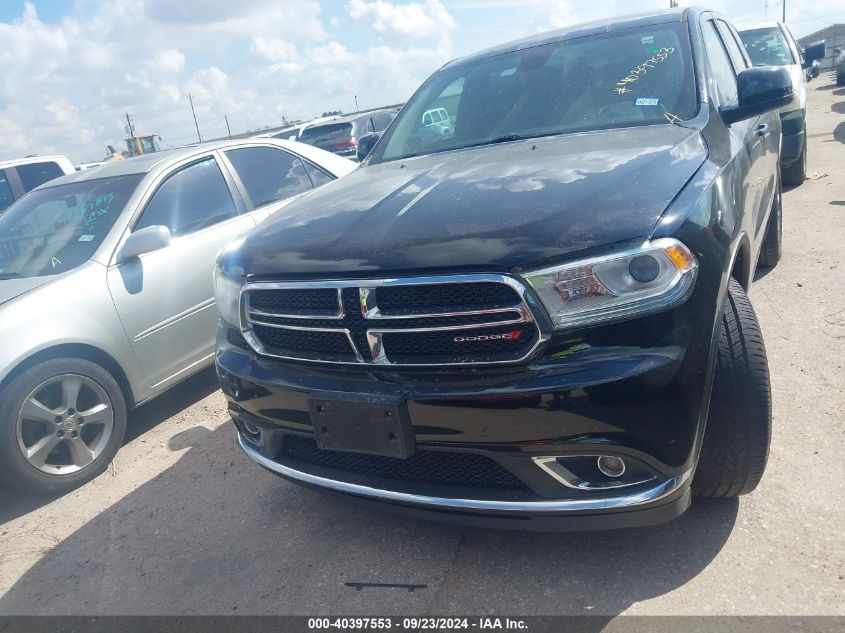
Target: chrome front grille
(454,320)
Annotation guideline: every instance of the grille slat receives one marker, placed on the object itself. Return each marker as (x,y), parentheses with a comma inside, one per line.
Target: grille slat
(394,301)
(449,320)
(299,301)
(468,470)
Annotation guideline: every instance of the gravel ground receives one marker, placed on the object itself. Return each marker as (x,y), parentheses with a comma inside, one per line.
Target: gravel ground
(184,524)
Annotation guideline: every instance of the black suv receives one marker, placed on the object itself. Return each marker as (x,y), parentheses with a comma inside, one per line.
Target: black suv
(536,317)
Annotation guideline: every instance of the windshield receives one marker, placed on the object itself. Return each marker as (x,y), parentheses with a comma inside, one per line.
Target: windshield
(634,77)
(53,230)
(767,47)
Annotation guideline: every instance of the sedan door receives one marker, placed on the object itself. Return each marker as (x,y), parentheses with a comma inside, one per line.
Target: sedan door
(165,298)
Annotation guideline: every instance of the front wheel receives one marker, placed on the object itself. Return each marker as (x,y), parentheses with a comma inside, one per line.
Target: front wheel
(61,423)
(739,425)
(795,173)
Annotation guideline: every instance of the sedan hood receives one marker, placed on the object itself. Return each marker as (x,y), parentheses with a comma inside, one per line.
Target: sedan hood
(490,208)
(11,288)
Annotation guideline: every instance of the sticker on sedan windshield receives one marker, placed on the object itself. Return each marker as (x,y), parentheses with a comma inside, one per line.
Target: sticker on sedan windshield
(86,238)
(646,101)
(647,39)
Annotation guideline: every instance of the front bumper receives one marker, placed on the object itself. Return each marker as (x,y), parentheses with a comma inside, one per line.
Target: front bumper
(636,390)
(657,504)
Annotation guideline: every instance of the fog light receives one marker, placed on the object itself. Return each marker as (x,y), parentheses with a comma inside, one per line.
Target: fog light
(610,466)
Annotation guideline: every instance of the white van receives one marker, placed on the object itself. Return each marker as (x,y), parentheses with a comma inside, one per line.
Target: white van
(21,175)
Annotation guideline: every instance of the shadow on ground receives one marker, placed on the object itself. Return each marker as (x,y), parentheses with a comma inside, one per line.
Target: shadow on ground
(194,389)
(215,534)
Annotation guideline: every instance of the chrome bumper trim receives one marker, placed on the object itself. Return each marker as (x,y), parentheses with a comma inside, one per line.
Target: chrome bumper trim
(655,493)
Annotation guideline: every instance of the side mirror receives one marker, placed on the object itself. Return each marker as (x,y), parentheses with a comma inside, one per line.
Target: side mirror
(146,240)
(366,144)
(760,89)
(812,52)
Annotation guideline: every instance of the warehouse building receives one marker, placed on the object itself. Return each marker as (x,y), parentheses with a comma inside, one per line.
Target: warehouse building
(834,37)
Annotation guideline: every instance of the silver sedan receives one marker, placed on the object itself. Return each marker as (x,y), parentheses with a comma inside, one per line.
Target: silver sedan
(106,295)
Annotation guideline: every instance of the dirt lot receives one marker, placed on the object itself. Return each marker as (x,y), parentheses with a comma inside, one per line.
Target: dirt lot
(184,524)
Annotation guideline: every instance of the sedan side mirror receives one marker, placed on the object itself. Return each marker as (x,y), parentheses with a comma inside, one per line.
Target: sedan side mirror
(812,52)
(366,144)
(760,89)
(145,240)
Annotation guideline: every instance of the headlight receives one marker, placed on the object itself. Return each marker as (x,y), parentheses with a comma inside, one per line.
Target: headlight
(227,294)
(648,278)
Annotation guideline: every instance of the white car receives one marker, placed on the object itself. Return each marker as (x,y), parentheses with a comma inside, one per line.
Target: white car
(21,175)
(106,291)
(774,45)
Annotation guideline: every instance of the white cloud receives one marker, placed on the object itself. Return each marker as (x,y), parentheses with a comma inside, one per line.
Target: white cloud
(416,21)
(66,85)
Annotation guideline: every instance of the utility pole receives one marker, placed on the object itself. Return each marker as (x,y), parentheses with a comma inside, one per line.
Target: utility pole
(356,104)
(195,117)
(130,129)
(784,12)
(228,129)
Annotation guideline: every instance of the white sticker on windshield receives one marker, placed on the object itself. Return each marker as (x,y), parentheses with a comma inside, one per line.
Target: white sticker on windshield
(647,39)
(647,101)
(86,238)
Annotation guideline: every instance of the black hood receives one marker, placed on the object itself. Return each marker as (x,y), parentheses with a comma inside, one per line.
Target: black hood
(492,208)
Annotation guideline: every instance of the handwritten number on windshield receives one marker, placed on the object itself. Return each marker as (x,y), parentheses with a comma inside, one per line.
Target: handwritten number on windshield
(642,69)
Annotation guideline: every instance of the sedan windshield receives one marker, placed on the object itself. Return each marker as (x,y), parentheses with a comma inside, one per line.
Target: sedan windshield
(767,47)
(640,76)
(53,230)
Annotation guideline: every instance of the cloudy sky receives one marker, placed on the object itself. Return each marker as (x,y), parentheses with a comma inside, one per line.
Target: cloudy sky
(72,68)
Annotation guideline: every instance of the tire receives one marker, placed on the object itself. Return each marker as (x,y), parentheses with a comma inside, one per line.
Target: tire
(739,426)
(772,248)
(795,173)
(42,407)
(840,80)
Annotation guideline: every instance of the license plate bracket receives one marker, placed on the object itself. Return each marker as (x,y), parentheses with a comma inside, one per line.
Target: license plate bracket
(356,423)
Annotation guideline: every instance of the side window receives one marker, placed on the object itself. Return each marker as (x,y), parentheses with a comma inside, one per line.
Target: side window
(35,174)
(734,49)
(318,176)
(269,174)
(720,66)
(426,118)
(6,196)
(193,198)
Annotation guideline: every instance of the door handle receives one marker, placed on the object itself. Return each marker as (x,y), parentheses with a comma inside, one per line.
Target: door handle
(763,130)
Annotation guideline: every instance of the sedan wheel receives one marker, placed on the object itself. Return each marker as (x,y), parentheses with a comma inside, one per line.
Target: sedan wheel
(65,424)
(61,423)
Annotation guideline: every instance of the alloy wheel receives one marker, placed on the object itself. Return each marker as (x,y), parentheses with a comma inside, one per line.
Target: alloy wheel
(65,424)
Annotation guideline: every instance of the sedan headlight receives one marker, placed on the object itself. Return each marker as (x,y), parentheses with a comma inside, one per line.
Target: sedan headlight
(637,281)
(227,294)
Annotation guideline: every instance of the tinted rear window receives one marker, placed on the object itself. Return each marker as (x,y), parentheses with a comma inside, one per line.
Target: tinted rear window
(35,174)
(329,130)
